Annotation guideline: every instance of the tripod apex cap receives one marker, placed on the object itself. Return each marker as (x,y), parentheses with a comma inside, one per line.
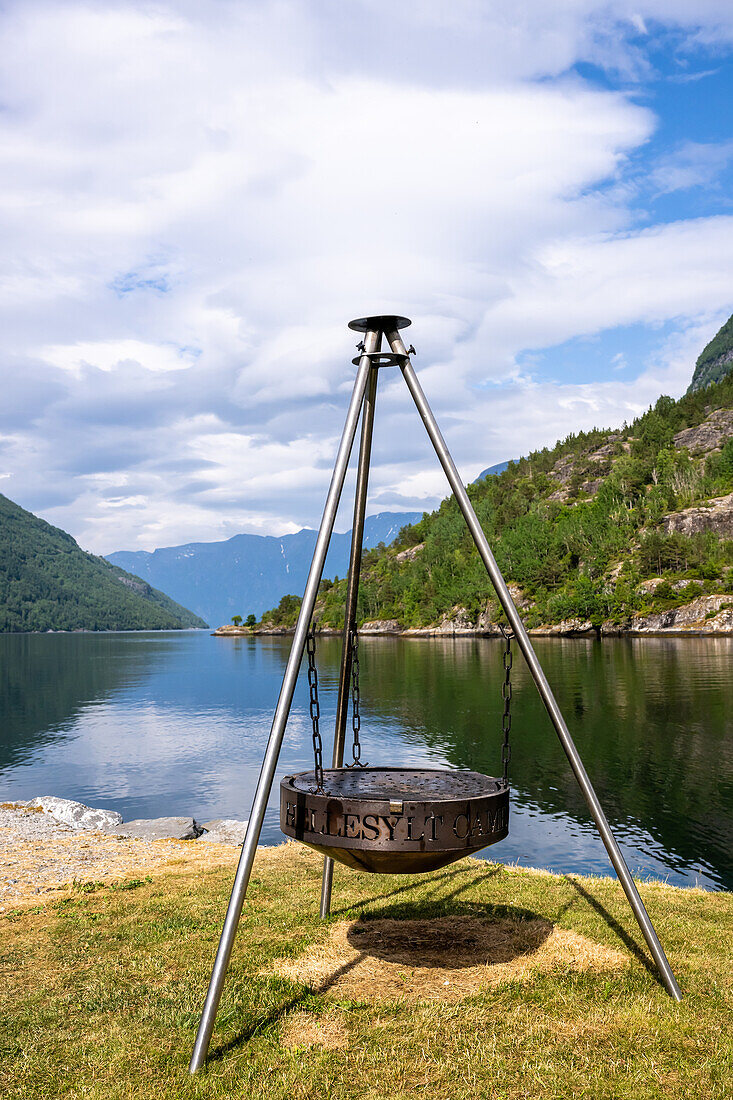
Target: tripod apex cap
(382,322)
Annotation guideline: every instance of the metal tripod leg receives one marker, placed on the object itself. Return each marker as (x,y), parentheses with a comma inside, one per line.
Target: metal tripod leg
(267,773)
(352,595)
(535,668)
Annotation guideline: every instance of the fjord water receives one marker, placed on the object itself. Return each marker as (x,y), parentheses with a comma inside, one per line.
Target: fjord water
(152,724)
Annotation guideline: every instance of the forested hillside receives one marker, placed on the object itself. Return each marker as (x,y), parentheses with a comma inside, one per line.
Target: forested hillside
(715,359)
(47,582)
(604,525)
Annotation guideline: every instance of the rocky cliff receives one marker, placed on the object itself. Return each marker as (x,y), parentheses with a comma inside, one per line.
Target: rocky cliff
(716,515)
(708,436)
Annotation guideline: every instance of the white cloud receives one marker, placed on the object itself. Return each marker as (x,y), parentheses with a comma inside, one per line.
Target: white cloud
(108,355)
(693,164)
(584,285)
(197,197)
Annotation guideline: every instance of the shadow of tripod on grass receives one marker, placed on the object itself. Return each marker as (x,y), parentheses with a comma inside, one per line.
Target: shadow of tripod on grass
(628,940)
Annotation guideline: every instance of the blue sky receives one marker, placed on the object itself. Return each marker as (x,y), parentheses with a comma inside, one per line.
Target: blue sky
(198,196)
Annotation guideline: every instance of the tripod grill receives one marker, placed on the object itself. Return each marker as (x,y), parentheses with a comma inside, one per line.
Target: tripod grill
(360,787)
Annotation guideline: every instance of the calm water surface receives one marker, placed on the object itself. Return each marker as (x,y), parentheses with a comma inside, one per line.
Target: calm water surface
(153,724)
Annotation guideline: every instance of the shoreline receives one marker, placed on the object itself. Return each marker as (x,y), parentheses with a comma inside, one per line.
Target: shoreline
(558,631)
(46,856)
(44,861)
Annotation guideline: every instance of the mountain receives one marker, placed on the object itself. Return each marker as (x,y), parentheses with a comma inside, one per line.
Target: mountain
(498,468)
(715,360)
(47,582)
(249,573)
(632,527)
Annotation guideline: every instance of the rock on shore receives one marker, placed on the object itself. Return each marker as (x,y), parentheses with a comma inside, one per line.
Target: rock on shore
(74,817)
(42,858)
(706,615)
(75,814)
(226,830)
(159,828)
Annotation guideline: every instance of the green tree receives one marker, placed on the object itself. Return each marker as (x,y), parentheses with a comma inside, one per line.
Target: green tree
(251,620)
(237,620)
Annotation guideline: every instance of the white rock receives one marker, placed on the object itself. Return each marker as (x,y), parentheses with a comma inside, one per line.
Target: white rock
(380,626)
(76,814)
(691,618)
(411,553)
(226,830)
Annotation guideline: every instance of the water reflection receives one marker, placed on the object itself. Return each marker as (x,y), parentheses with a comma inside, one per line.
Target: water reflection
(651,718)
(154,724)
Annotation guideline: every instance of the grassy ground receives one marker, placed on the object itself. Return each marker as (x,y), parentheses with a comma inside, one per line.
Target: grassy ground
(102,990)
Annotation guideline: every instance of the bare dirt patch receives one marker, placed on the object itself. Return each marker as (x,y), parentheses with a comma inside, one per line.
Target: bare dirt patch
(444,959)
(36,872)
(322,1032)
(41,863)
(39,868)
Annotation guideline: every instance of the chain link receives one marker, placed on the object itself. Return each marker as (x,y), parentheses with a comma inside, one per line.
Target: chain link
(506,694)
(310,645)
(355,703)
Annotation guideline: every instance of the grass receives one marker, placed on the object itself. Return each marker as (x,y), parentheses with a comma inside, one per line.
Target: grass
(101,993)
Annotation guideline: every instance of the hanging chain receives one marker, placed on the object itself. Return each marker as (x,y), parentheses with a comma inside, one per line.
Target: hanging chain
(506,694)
(355,702)
(310,645)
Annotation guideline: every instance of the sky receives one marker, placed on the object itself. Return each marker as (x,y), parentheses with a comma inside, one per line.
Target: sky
(196,197)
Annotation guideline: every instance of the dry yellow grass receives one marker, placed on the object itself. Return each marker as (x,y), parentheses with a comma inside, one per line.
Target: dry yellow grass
(304,1032)
(445,959)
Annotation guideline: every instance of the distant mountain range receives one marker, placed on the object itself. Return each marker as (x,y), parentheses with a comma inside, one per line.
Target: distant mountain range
(249,573)
(47,582)
(497,468)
